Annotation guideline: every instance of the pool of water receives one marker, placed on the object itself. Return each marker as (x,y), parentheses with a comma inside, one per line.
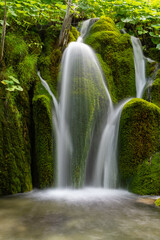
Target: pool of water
(88,214)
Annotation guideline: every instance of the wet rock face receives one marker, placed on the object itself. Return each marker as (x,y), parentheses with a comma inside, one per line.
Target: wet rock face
(115,53)
(139,137)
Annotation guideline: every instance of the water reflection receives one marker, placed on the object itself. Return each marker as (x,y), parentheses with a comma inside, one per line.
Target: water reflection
(77,214)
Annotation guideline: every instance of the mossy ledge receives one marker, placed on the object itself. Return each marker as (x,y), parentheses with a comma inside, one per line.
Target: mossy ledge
(115,54)
(139,137)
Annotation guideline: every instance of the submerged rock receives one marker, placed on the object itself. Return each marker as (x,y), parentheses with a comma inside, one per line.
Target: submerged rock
(115,53)
(139,137)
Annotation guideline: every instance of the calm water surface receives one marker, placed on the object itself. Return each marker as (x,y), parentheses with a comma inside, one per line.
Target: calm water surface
(88,214)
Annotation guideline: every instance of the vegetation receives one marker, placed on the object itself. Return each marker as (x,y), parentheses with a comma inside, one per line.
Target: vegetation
(139,137)
(30,41)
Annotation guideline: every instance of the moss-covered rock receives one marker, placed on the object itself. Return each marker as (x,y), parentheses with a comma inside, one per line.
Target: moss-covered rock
(116,58)
(157,202)
(139,137)
(146,180)
(43,158)
(15,164)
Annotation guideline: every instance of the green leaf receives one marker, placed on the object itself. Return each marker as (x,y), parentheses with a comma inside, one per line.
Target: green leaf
(11,89)
(5,82)
(120,25)
(156,26)
(14,79)
(19,88)
(158,46)
(1,23)
(155,40)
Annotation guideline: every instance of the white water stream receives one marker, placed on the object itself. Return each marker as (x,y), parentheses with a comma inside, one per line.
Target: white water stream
(80,75)
(80,70)
(139,62)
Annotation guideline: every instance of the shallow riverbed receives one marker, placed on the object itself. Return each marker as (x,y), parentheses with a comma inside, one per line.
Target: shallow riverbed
(88,214)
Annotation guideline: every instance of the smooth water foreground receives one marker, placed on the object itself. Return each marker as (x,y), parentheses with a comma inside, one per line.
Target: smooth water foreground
(85,214)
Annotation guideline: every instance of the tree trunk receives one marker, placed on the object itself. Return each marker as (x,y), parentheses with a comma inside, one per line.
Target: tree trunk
(3,33)
(66,26)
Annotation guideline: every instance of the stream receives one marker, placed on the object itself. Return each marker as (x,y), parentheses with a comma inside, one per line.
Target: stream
(84,214)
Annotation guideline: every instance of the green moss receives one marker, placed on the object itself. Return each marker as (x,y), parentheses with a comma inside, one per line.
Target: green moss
(43,162)
(150,68)
(117,60)
(15,49)
(157,202)
(146,180)
(15,164)
(105,23)
(155,92)
(139,136)
(27,71)
(49,64)
(73,34)
(34,43)
(154,54)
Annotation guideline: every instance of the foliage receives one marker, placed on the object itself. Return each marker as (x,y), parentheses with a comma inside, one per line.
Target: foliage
(12,84)
(139,18)
(29,13)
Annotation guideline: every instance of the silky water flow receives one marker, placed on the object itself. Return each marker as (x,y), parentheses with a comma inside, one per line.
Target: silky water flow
(85,111)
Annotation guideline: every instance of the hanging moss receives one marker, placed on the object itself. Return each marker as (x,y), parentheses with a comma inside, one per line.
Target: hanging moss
(15,49)
(116,58)
(139,137)
(146,180)
(43,162)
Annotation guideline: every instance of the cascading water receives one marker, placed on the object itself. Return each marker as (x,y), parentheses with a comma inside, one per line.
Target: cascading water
(106,169)
(139,62)
(82,86)
(86,110)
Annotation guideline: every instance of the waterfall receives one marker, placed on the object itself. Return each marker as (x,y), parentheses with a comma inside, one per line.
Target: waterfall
(45,85)
(106,169)
(81,81)
(85,113)
(139,62)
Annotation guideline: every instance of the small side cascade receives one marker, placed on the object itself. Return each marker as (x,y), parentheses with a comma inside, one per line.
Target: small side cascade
(86,26)
(106,169)
(139,61)
(46,86)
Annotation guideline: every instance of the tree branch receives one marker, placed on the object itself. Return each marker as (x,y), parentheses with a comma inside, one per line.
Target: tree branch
(3,33)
